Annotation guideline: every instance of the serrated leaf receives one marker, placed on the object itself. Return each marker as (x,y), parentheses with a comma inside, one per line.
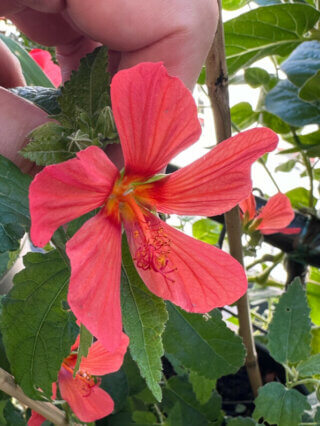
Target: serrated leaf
(31,70)
(270,30)
(303,62)
(205,346)
(287,166)
(299,197)
(179,391)
(242,115)
(290,328)
(202,387)
(48,145)
(310,366)
(144,318)
(310,91)
(86,93)
(256,76)
(280,406)
(14,205)
(44,97)
(207,230)
(283,101)
(86,339)
(37,332)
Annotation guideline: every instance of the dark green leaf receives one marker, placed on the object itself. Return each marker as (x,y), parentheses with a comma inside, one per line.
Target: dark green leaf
(242,115)
(86,339)
(317,416)
(303,62)
(4,260)
(283,100)
(273,122)
(313,294)
(206,230)
(299,197)
(241,421)
(233,4)
(37,332)
(256,77)
(14,205)
(315,340)
(116,385)
(271,30)
(13,415)
(202,387)
(280,406)
(204,345)
(310,366)
(44,97)
(290,328)
(193,413)
(144,318)
(135,382)
(48,145)
(310,91)
(144,417)
(286,167)
(31,70)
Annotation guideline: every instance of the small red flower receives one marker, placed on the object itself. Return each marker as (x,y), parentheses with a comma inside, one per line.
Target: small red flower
(87,400)
(156,118)
(274,217)
(44,60)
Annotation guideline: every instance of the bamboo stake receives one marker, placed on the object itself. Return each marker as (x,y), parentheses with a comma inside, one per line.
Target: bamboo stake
(47,410)
(217,82)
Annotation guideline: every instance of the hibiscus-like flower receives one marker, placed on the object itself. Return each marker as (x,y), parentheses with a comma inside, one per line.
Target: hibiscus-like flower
(45,62)
(156,118)
(82,392)
(274,217)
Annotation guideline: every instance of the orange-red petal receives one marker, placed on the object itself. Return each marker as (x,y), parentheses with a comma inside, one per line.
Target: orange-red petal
(156,117)
(36,419)
(248,207)
(192,274)
(65,191)
(275,215)
(51,70)
(94,290)
(87,400)
(216,182)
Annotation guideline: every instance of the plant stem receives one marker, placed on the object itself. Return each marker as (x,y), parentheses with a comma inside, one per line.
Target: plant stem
(217,82)
(263,164)
(47,410)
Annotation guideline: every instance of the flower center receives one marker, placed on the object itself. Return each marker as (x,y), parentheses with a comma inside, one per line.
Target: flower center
(85,382)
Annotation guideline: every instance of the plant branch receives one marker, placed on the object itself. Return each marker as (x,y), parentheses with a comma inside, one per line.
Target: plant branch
(47,410)
(217,82)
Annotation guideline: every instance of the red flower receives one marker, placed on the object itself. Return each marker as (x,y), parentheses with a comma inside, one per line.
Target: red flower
(44,60)
(274,217)
(82,392)
(156,118)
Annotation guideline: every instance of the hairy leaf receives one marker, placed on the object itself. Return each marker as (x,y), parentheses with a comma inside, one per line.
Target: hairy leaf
(204,345)
(202,387)
(37,331)
(280,406)
(310,366)
(290,328)
(86,339)
(144,318)
(14,205)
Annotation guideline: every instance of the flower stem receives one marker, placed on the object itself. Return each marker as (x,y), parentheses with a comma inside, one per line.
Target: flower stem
(217,82)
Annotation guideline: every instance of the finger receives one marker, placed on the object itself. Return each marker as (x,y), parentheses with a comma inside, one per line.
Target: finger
(10,70)
(51,6)
(9,6)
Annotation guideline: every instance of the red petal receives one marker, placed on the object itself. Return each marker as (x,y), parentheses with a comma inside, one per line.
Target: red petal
(288,231)
(94,290)
(216,182)
(62,192)
(156,117)
(100,361)
(192,274)
(276,214)
(36,419)
(249,206)
(44,60)
(89,403)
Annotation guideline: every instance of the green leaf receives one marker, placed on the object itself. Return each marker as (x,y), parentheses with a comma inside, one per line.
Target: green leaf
(207,230)
(256,77)
(44,97)
(31,70)
(303,62)
(86,339)
(310,366)
(233,4)
(144,417)
(86,93)
(144,318)
(310,91)
(287,166)
(313,294)
(241,421)
(283,101)
(315,340)
(179,391)
(202,387)
(299,197)
(37,332)
(290,328)
(202,76)
(271,30)
(116,384)
(273,122)
(13,415)
(14,205)
(4,260)
(242,115)
(48,145)
(204,345)
(280,406)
